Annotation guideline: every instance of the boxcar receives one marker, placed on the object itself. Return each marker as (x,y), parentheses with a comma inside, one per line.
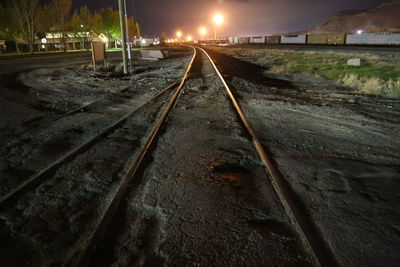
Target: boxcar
(294,39)
(272,39)
(257,40)
(331,39)
(244,40)
(382,38)
(233,40)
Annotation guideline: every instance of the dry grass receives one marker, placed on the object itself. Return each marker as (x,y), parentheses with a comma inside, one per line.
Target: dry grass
(378,74)
(374,86)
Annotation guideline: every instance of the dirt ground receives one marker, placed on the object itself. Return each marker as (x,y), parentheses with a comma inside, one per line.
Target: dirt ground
(204,198)
(338,149)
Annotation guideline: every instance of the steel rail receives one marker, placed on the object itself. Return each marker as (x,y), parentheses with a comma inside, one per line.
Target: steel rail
(124,187)
(72,111)
(41,175)
(301,222)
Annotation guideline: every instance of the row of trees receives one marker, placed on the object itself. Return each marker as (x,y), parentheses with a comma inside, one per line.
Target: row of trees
(30,20)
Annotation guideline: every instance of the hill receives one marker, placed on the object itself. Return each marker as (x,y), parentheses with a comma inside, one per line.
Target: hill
(385,17)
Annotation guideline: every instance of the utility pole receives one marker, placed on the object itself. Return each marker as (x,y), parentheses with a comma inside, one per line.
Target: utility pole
(122,20)
(129,45)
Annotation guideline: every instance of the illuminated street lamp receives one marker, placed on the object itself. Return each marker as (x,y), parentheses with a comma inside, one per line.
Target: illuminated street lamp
(189,38)
(203,31)
(179,35)
(218,20)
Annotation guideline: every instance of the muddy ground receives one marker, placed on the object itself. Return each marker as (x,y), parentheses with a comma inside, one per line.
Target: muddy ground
(204,199)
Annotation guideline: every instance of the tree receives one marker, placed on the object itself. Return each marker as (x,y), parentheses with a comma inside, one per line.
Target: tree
(80,25)
(62,9)
(133,28)
(23,15)
(110,23)
(9,31)
(46,19)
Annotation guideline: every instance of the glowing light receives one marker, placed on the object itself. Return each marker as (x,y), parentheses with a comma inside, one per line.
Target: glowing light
(189,38)
(218,19)
(179,34)
(359,31)
(81,25)
(203,31)
(44,40)
(143,41)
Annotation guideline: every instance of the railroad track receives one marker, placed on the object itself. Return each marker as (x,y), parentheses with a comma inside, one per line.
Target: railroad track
(95,241)
(38,176)
(302,224)
(79,109)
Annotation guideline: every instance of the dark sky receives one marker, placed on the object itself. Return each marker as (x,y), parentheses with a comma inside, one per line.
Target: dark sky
(243,17)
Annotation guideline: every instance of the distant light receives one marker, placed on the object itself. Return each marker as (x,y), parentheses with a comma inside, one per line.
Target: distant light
(189,38)
(143,41)
(105,40)
(203,31)
(218,19)
(176,40)
(179,34)
(44,40)
(81,25)
(359,32)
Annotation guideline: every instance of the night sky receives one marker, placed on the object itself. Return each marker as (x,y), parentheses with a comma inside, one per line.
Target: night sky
(243,17)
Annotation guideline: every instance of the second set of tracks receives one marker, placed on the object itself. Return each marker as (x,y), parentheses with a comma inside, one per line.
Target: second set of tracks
(306,231)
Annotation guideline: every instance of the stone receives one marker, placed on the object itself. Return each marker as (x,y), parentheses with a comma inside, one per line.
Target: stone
(354,62)
(154,53)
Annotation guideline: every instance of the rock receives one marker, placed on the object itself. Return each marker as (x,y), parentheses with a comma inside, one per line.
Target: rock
(154,54)
(354,62)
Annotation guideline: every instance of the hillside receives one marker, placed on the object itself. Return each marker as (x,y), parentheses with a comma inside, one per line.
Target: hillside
(385,17)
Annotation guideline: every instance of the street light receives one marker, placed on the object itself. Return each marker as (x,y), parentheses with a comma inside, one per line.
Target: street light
(179,34)
(203,31)
(218,20)
(189,38)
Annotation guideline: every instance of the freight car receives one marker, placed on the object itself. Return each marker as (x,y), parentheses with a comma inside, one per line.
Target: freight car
(382,38)
(257,40)
(244,40)
(272,39)
(326,39)
(294,39)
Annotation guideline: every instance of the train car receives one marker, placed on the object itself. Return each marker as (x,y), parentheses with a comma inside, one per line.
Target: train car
(381,38)
(244,40)
(257,40)
(294,39)
(233,40)
(272,39)
(326,39)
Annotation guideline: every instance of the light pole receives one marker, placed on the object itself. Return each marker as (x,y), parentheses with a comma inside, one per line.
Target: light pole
(218,20)
(122,20)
